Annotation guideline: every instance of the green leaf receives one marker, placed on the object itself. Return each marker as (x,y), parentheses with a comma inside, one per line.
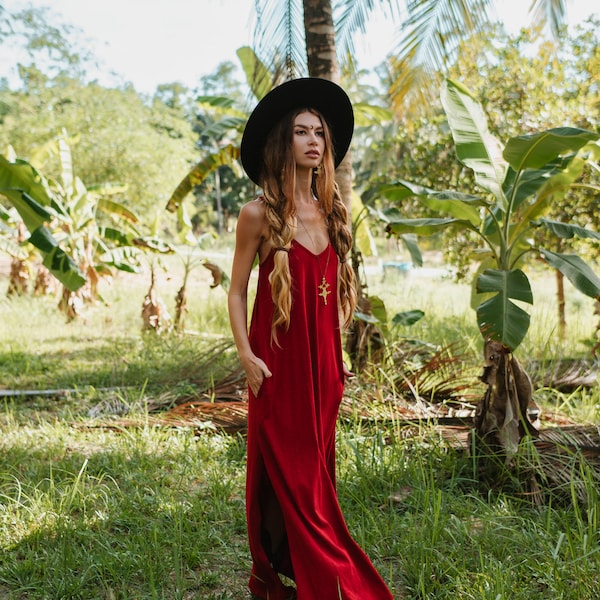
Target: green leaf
(124,259)
(34,215)
(476,147)
(567,231)
(411,242)
(370,114)
(20,176)
(536,150)
(407,318)
(461,206)
(402,189)
(423,226)
(499,317)
(258,76)
(378,309)
(117,209)
(362,236)
(366,318)
(511,284)
(378,314)
(523,185)
(60,264)
(579,273)
(114,235)
(226,156)
(218,102)
(503,321)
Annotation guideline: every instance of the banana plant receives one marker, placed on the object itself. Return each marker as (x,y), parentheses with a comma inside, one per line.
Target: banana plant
(28,192)
(516,186)
(81,233)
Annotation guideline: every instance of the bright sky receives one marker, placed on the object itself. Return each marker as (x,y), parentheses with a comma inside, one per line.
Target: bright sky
(149,42)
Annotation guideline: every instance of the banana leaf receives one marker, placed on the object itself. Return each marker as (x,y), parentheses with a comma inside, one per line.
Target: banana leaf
(225,156)
(575,270)
(536,150)
(476,147)
(498,317)
(568,231)
(22,185)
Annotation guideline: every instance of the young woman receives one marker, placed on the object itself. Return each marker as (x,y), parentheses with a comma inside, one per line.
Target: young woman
(292,353)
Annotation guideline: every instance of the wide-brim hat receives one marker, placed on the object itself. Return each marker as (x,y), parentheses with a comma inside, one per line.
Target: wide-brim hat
(308,92)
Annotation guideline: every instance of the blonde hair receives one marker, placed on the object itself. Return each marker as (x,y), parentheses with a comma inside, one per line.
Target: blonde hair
(278,178)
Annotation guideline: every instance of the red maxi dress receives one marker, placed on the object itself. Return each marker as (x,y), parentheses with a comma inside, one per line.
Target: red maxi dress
(295,525)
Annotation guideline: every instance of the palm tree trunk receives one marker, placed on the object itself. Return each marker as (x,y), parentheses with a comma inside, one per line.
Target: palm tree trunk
(322,62)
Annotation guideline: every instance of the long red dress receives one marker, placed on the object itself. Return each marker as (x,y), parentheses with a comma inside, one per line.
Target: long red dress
(295,525)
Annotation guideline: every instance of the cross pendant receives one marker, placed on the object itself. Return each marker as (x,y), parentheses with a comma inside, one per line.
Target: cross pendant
(324,287)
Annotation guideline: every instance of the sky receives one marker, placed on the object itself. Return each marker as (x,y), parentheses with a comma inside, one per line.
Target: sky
(149,42)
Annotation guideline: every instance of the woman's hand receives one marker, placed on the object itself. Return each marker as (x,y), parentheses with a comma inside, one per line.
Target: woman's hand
(347,371)
(256,372)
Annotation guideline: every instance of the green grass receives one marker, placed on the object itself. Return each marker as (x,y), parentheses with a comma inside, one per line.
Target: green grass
(154,513)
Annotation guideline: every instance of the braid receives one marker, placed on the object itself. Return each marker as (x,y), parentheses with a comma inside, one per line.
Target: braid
(341,240)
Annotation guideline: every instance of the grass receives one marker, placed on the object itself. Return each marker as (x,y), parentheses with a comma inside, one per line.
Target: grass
(90,512)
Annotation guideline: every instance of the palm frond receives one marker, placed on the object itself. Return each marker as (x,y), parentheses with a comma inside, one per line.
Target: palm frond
(351,16)
(549,12)
(279,32)
(433,30)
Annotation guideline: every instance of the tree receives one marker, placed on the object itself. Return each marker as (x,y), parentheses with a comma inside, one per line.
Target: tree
(551,86)
(429,34)
(520,182)
(117,136)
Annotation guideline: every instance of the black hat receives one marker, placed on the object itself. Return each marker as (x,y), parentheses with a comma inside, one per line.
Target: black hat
(310,92)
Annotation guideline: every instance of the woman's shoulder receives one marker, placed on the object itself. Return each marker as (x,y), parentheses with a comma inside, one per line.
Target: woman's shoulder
(252,217)
(255,209)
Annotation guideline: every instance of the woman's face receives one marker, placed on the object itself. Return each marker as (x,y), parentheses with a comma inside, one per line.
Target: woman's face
(308,141)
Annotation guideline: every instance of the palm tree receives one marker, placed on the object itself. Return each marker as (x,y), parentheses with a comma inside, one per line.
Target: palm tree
(429,32)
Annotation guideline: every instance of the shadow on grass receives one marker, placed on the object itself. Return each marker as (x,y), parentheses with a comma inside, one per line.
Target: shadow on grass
(150,362)
(144,515)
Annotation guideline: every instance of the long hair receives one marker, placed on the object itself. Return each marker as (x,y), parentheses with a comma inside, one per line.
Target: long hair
(278,179)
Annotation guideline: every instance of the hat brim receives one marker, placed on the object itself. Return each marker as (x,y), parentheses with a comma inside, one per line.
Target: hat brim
(311,92)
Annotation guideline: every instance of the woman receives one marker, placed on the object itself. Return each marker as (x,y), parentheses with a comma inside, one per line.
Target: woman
(292,354)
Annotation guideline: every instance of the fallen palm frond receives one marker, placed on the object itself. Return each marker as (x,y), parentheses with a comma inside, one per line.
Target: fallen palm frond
(434,375)
(565,374)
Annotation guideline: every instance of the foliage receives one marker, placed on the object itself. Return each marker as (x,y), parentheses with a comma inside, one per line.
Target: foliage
(117,137)
(520,182)
(429,36)
(525,84)
(24,188)
(64,219)
(36,37)
(549,84)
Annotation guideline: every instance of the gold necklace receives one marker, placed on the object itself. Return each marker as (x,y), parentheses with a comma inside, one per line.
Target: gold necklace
(324,286)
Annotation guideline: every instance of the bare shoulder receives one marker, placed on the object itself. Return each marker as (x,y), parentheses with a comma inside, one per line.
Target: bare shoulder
(251,220)
(253,211)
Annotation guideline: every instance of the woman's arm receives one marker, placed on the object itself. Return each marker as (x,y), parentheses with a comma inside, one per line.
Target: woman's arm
(248,239)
